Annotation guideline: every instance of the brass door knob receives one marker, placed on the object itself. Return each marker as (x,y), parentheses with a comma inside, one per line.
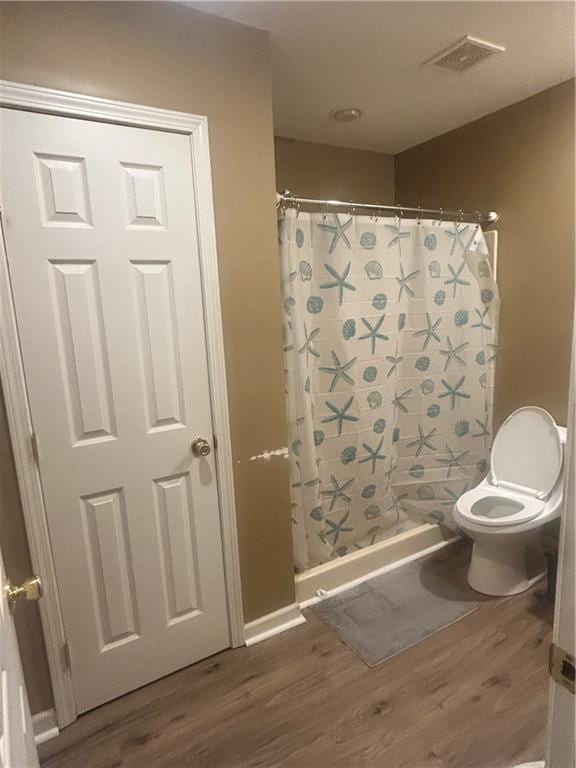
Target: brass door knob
(31,589)
(200,447)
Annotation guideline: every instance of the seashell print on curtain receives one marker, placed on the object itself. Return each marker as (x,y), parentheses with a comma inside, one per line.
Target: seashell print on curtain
(391,339)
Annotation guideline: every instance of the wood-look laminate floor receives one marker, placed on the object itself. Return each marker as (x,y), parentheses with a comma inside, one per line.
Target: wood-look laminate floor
(472,696)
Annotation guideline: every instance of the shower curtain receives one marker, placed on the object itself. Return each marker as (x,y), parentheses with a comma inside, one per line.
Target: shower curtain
(391,339)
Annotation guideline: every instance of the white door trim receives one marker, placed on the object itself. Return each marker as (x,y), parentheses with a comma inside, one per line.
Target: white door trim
(48,101)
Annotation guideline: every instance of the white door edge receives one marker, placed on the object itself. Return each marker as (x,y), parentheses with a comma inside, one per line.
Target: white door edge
(560,734)
(49,101)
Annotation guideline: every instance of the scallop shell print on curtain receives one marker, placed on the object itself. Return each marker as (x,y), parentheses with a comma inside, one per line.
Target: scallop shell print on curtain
(391,340)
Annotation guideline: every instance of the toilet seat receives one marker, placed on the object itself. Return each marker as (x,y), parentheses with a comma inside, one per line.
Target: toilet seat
(480,503)
(525,463)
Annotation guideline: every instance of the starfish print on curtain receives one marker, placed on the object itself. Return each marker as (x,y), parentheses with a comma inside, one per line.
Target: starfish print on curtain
(338,231)
(453,461)
(338,371)
(482,319)
(398,235)
(398,399)
(374,332)
(456,278)
(453,391)
(453,353)
(335,529)
(374,455)
(456,234)
(308,347)
(403,281)
(339,281)
(337,492)
(430,332)
(340,415)
(395,360)
(484,431)
(423,441)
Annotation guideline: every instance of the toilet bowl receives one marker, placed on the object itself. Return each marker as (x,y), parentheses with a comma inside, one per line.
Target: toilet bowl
(505,514)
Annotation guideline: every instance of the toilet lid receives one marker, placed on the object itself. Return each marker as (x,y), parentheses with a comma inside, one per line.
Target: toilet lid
(527,451)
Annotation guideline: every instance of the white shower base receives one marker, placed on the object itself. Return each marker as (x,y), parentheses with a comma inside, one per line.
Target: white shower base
(314,585)
(540,764)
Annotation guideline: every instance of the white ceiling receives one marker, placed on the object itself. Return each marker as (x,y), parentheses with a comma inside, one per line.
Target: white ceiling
(328,55)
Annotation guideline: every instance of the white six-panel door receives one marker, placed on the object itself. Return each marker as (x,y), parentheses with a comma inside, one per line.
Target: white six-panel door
(103,256)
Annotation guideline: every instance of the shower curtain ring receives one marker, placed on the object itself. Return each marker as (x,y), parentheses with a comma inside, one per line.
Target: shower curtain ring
(419,219)
(441,215)
(460,215)
(479,217)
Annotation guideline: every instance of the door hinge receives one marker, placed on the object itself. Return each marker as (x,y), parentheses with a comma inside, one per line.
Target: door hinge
(561,667)
(215,442)
(66,656)
(34,445)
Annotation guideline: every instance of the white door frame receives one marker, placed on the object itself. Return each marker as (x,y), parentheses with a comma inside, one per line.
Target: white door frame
(560,747)
(63,103)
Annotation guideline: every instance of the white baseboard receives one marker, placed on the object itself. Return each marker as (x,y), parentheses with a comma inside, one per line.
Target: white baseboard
(273,624)
(337,575)
(45,726)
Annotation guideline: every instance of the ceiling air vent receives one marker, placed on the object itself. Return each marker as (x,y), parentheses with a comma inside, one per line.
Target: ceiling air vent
(465,54)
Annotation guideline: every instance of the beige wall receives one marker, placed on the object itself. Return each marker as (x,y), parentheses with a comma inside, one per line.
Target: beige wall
(520,162)
(169,56)
(327,172)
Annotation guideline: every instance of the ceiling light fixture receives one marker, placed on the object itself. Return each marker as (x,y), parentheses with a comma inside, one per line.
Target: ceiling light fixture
(347,115)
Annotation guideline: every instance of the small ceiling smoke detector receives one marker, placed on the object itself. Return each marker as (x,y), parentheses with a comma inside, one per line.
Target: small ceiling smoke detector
(465,54)
(347,115)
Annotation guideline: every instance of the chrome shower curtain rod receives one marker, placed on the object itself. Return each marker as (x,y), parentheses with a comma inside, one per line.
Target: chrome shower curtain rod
(491,217)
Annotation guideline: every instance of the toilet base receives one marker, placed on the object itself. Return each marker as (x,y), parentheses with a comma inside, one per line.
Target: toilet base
(501,566)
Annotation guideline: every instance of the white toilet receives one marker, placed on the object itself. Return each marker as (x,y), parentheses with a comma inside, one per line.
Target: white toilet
(504,515)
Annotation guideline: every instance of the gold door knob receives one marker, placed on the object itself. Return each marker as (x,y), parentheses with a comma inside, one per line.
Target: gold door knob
(31,589)
(200,447)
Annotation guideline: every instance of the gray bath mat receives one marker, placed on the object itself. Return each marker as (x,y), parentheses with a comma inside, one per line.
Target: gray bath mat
(387,614)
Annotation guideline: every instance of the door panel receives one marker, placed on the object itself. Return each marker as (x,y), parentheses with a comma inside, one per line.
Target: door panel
(158,344)
(85,364)
(103,256)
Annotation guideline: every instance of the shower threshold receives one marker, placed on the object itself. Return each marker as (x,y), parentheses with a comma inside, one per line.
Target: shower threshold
(345,572)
